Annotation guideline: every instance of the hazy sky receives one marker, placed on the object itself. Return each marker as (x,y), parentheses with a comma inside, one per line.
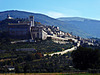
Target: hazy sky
(56,8)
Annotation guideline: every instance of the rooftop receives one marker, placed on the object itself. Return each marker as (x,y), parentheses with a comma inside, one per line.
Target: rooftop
(18,24)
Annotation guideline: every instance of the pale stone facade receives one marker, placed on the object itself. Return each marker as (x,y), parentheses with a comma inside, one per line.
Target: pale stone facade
(38,33)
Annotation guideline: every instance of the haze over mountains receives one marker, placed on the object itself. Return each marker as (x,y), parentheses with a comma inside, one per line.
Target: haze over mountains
(79,26)
(87,25)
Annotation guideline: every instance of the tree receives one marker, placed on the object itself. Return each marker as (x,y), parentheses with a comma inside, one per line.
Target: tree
(20,59)
(18,69)
(38,55)
(27,68)
(84,58)
(30,57)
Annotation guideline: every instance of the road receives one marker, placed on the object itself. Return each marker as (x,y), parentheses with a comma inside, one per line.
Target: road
(65,51)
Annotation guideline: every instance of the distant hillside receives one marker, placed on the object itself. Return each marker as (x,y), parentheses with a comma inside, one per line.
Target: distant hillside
(71,19)
(64,26)
(87,25)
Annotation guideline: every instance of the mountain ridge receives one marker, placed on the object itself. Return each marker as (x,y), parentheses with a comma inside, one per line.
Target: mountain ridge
(74,18)
(90,26)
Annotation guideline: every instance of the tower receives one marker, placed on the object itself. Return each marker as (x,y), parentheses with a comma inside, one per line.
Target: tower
(32,20)
(8,16)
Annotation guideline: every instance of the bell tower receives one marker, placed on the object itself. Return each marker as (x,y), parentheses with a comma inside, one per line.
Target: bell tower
(32,20)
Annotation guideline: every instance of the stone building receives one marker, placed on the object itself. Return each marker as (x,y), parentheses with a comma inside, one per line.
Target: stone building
(19,30)
(38,33)
(27,30)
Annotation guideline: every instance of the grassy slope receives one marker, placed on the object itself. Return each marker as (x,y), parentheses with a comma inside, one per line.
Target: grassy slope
(49,74)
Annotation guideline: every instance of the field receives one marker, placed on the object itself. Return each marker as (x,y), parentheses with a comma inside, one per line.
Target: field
(49,74)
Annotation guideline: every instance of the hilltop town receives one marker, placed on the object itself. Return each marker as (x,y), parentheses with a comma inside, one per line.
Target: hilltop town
(49,37)
(35,30)
(30,31)
(25,45)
